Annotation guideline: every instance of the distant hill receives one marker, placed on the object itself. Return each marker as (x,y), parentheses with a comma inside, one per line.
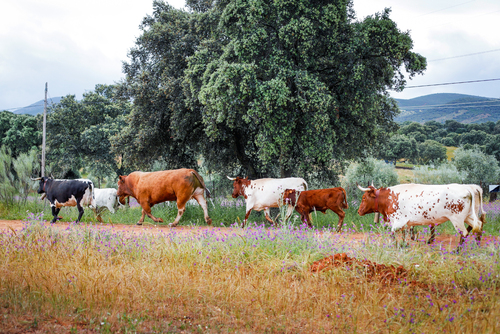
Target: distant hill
(441,107)
(37,107)
(434,107)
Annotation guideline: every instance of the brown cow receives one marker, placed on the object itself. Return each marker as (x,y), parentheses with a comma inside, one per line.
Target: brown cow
(334,199)
(170,185)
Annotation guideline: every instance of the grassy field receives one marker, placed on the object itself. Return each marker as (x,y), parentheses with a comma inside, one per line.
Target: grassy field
(89,279)
(257,280)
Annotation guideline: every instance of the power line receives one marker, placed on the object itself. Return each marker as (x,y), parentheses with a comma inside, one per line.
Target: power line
(439,10)
(466,55)
(452,83)
(460,104)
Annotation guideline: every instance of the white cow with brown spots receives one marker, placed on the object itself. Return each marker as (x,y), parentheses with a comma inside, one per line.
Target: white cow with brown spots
(263,194)
(407,205)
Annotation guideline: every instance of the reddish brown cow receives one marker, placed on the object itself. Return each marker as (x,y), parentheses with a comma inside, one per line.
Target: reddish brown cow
(170,185)
(334,199)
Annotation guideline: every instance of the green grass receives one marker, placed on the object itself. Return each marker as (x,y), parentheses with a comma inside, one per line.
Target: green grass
(245,280)
(223,213)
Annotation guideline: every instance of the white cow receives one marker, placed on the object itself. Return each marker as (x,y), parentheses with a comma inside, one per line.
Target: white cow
(105,199)
(263,194)
(418,204)
(478,208)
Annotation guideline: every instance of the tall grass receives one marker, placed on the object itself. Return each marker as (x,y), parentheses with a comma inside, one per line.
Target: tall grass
(236,280)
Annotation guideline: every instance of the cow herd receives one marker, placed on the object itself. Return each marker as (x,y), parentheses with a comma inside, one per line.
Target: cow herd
(402,206)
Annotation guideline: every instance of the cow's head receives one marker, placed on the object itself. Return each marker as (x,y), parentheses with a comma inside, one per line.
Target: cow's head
(369,202)
(123,192)
(43,183)
(239,185)
(289,196)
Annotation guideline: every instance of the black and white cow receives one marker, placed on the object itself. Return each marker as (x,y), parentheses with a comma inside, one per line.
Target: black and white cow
(67,193)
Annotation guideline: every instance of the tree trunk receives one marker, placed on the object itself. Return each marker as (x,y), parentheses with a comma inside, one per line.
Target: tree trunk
(239,150)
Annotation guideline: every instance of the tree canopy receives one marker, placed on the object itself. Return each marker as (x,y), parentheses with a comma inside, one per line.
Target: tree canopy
(79,132)
(263,88)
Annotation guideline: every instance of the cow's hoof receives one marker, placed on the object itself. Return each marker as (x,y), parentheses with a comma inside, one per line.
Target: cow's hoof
(139,223)
(209,221)
(172,225)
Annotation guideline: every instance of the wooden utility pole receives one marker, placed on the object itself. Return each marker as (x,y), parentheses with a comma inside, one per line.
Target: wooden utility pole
(44,132)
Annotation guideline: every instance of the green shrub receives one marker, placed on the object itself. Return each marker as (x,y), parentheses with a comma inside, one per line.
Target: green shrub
(480,168)
(366,172)
(443,174)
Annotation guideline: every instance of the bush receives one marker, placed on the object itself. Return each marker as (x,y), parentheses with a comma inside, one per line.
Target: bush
(443,174)
(480,168)
(431,151)
(366,172)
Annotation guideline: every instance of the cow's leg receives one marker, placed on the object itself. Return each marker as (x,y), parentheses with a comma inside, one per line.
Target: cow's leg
(247,214)
(478,235)
(413,234)
(267,212)
(309,220)
(459,227)
(80,211)
(181,208)
(146,210)
(341,215)
(203,203)
(55,212)
(433,235)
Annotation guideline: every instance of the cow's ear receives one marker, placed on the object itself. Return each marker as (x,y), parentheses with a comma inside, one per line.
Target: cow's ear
(121,178)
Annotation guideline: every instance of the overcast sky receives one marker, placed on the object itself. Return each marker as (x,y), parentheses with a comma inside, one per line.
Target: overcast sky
(75,45)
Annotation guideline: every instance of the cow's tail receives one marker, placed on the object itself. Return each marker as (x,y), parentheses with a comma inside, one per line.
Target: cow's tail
(92,198)
(477,228)
(481,215)
(200,179)
(344,202)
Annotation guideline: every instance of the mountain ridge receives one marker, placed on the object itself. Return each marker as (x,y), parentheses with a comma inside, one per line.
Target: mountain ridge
(444,106)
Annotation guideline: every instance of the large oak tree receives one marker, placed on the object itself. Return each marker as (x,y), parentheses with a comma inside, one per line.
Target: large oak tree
(264,87)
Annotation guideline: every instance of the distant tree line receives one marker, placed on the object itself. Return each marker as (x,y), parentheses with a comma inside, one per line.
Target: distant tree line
(424,143)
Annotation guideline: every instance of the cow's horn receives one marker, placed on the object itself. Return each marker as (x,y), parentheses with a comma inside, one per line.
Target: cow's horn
(361,188)
(372,184)
(231,178)
(37,179)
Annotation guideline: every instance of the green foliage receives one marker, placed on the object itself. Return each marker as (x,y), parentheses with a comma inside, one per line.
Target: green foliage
(431,151)
(443,174)
(473,137)
(400,147)
(15,174)
(19,133)
(492,146)
(269,88)
(366,172)
(79,132)
(26,166)
(7,178)
(479,167)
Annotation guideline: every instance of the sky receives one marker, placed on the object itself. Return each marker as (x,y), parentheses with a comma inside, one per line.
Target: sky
(74,45)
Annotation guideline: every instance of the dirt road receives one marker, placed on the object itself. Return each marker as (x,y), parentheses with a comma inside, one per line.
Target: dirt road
(16,225)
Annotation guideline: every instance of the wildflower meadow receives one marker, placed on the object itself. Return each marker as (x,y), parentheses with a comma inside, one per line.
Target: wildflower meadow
(86,277)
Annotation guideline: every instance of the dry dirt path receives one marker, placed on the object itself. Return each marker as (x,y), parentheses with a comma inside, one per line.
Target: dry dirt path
(450,241)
